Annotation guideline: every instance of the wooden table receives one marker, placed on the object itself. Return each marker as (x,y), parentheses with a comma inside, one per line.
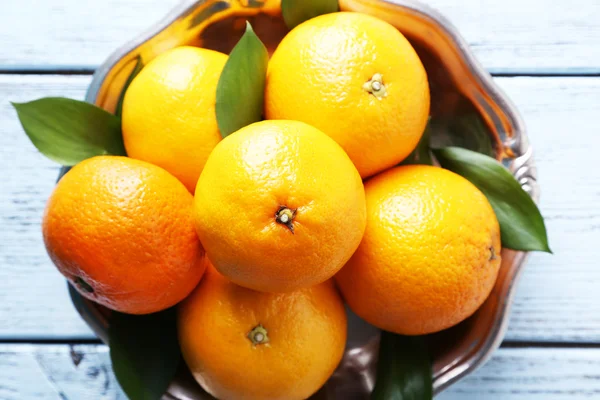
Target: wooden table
(545,55)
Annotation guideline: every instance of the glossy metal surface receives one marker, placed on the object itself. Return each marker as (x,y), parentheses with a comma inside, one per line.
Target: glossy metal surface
(461,89)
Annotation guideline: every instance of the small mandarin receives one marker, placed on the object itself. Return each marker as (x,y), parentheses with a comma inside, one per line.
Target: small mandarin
(169,114)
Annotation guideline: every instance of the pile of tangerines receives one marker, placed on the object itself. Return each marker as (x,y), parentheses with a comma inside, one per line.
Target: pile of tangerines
(261,237)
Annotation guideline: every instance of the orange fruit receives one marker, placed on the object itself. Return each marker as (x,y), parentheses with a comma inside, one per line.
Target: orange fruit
(430,254)
(243,344)
(279,206)
(169,111)
(122,231)
(356,78)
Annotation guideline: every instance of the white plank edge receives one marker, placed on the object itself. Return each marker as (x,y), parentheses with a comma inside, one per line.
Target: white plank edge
(511,36)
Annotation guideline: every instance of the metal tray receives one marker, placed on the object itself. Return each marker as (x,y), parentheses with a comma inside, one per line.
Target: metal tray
(460,88)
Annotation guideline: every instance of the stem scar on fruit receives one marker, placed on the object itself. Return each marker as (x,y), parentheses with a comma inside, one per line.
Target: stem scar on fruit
(285,216)
(492,253)
(258,335)
(376,87)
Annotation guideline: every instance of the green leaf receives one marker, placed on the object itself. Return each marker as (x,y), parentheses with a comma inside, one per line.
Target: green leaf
(69,131)
(521,224)
(144,352)
(467,131)
(139,64)
(296,12)
(421,154)
(403,370)
(241,87)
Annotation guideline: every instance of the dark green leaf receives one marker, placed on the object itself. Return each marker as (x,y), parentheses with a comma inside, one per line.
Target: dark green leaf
(296,12)
(421,154)
(467,131)
(69,131)
(241,87)
(139,64)
(521,224)
(403,370)
(144,352)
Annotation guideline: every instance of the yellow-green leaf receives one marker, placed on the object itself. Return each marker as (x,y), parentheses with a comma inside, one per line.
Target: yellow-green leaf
(296,12)
(241,87)
(521,223)
(69,131)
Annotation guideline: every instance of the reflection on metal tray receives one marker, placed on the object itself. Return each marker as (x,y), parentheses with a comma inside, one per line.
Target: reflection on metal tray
(464,100)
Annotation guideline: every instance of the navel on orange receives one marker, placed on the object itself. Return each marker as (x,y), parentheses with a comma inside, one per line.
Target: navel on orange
(169,111)
(430,254)
(121,230)
(243,344)
(356,78)
(279,206)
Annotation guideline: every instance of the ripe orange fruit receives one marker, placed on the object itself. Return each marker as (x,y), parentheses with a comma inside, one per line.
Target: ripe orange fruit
(169,111)
(279,206)
(243,344)
(430,253)
(122,231)
(356,78)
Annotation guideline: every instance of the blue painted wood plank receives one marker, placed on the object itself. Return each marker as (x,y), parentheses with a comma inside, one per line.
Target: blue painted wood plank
(557,299)
(511,36)
(81,372)
(561,114)
(34,303)
(533,374)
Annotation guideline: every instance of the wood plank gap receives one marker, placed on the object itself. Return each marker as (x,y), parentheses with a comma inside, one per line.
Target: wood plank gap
(51,341)
(58,70)
(19,71)
(510,344)
(525,74)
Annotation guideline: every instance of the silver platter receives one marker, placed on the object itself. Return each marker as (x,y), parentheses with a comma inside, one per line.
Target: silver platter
(460,89)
